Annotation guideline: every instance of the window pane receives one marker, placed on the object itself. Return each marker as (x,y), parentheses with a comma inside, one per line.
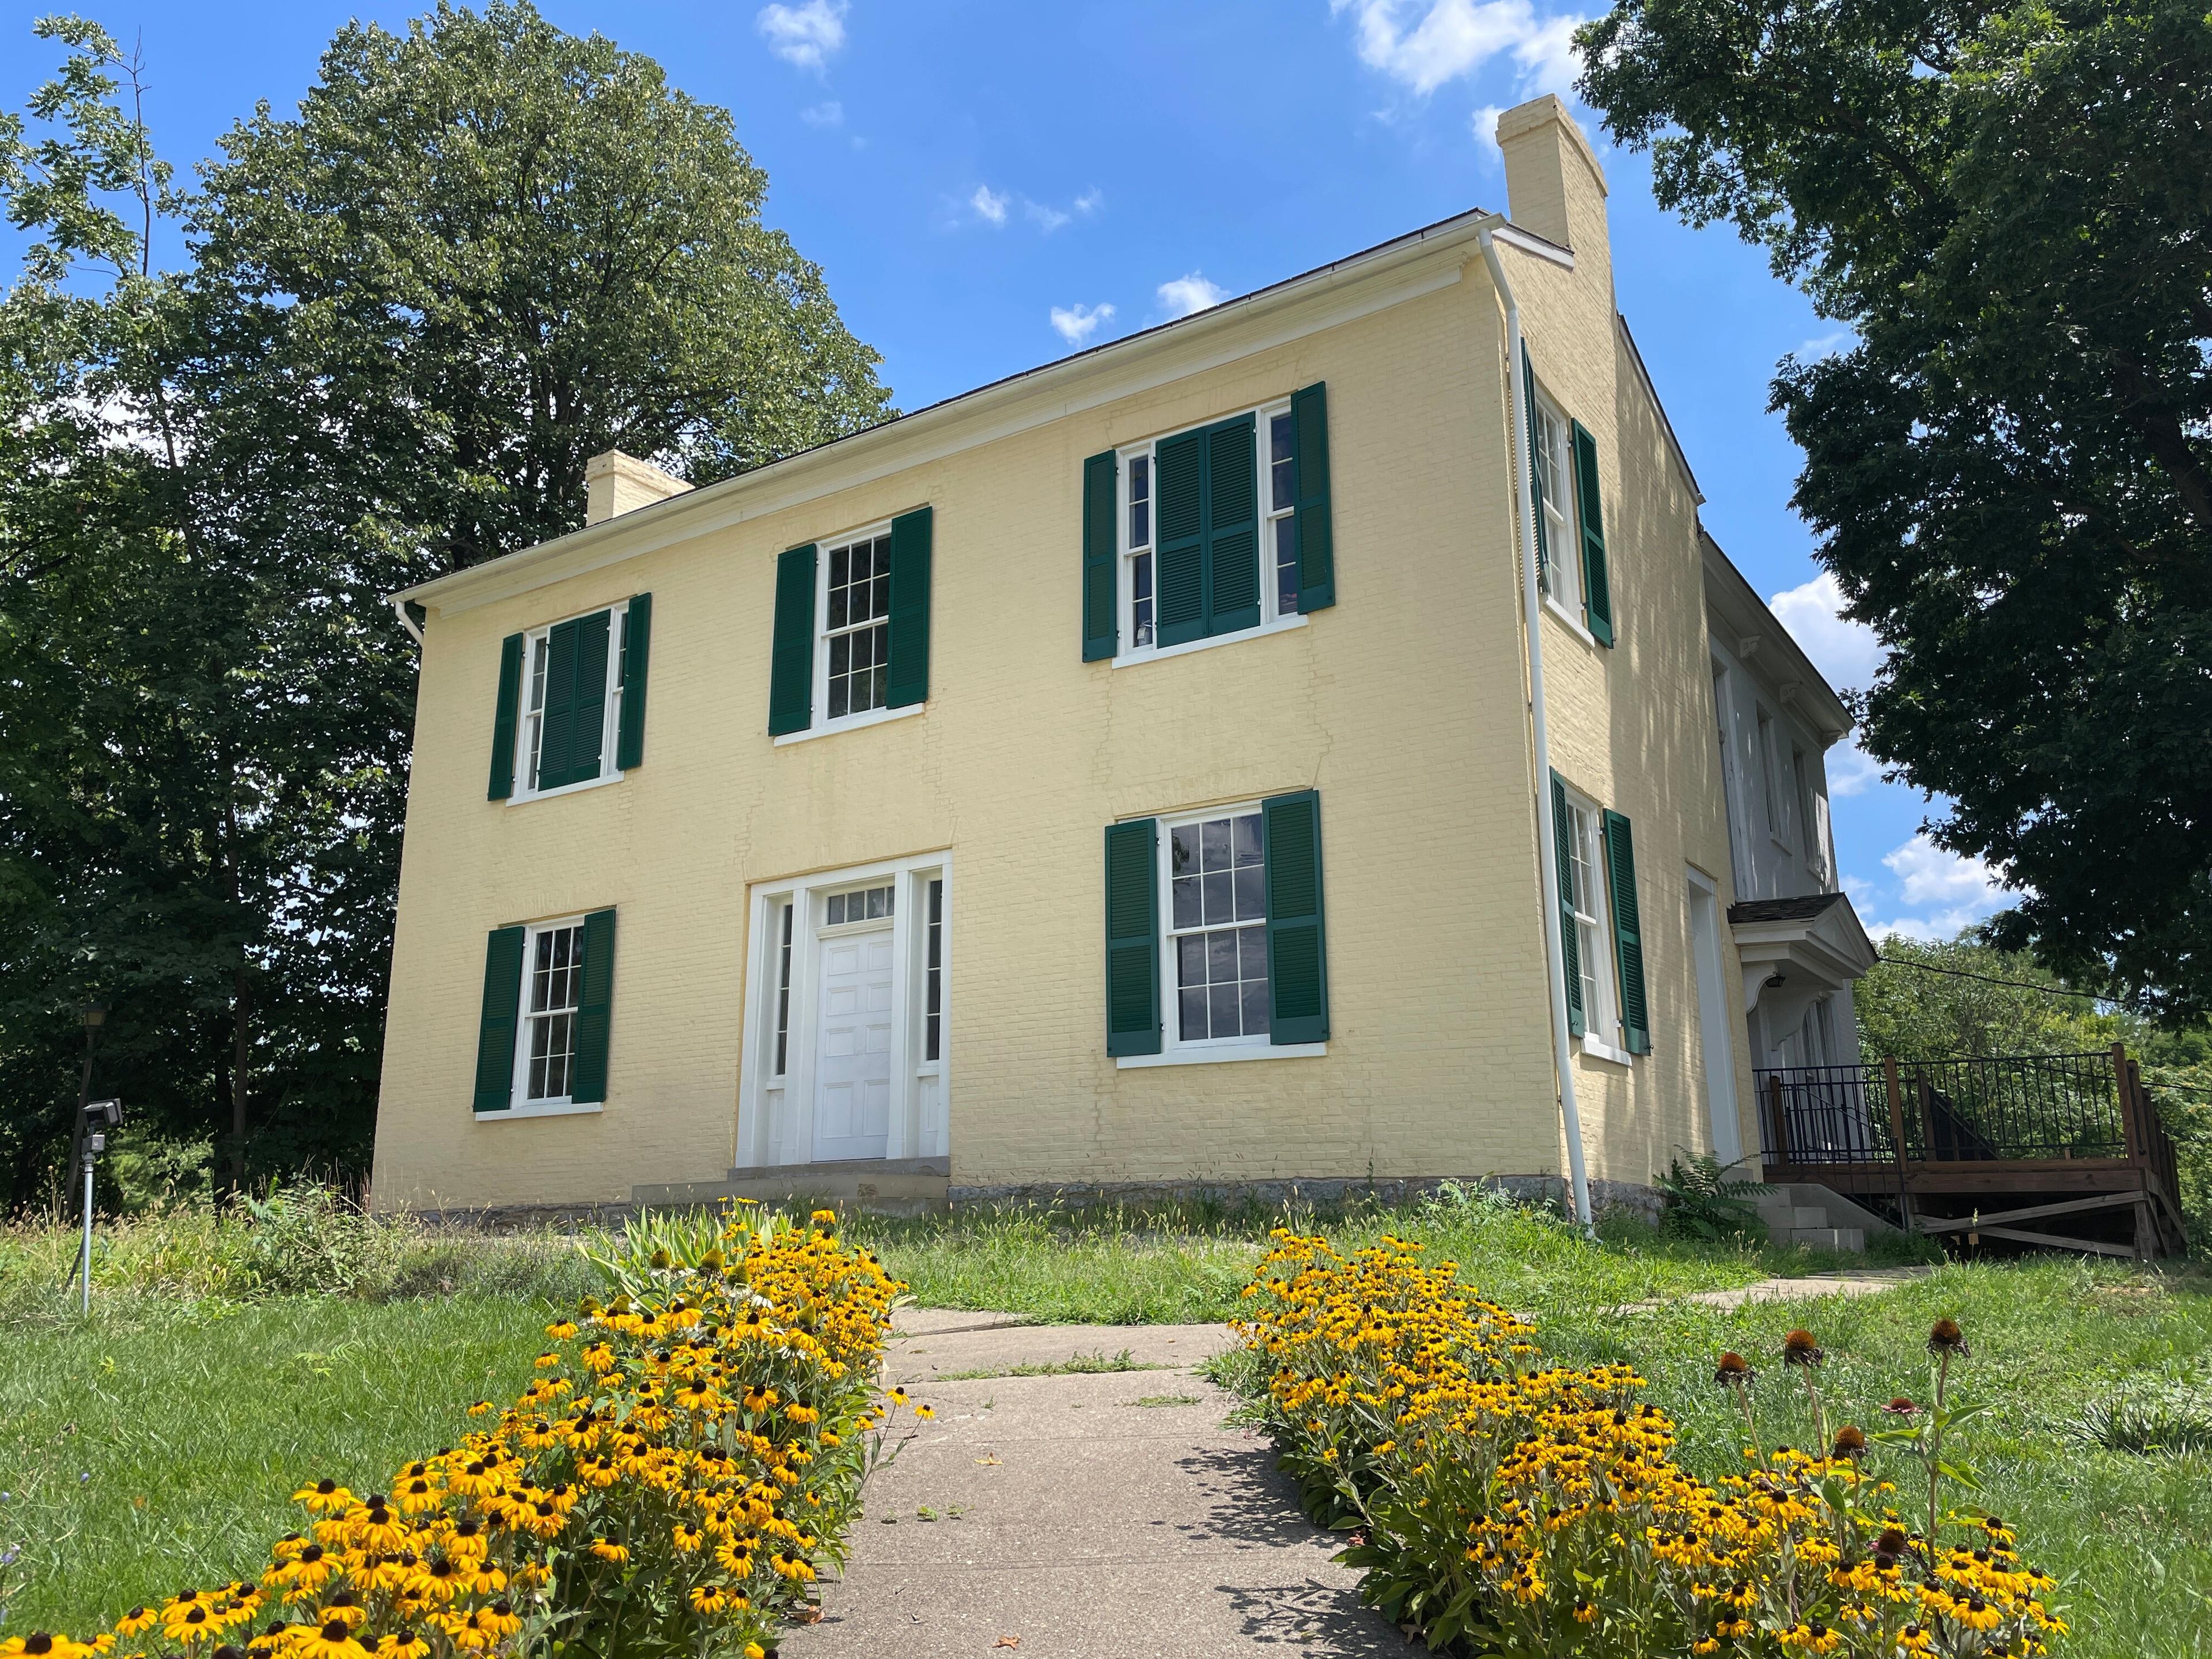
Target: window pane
(1221,958)
(837,908)
(1141,578)
(876,897)
(1251,893)
(1140,501)
(1286,566)
(1220,897)
(1252,953)
(1186,901)
(840,567)
(1278,455)
(1190,959)
(1214,840)
(1225,1003)
(1256,1008)
(1246,838)
(1192,1026)
(1182,849)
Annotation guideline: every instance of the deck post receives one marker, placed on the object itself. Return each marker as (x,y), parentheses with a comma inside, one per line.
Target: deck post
(1781,1120)
(2129,1129)
(1891,1089)
(1922,1093)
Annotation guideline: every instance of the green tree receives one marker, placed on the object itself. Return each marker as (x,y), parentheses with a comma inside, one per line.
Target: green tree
(2011,471)
(481,251)
(1934,999)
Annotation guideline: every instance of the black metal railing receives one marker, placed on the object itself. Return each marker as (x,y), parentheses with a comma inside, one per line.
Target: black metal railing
(2019,1107)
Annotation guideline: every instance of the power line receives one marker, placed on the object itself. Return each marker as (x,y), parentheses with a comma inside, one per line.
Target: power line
(1986,979)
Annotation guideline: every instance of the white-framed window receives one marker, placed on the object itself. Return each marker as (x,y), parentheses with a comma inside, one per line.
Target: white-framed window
(552,994)
(1591,903)
(848,1036)
(1555,472)
(1274,446)
(1214,925)
(549,664)
(1769,790)
(852,656)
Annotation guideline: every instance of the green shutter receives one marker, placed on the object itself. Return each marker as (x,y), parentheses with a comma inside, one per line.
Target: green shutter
(1231,563)
(1571,950)
(791,670)
(1535,472)
(503,717)
(1178,539)
(1628,933)
(557,721)
(587,733)
(909,678)
(1101,628)
(503,1002)
(1297,936)
(588,1076)
(637,656)
(1597,586)
(1133,937)
(1309,465)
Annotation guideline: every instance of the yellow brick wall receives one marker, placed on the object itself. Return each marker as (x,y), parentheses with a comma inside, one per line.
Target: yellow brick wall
(1403,705)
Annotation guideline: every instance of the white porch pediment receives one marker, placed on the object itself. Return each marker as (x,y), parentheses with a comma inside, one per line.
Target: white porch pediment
(1796,951)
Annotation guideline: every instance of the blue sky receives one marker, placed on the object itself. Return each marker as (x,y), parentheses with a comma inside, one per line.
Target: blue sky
(988,185)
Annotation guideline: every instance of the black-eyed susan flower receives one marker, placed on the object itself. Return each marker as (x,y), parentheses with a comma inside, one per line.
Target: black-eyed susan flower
(333,1639)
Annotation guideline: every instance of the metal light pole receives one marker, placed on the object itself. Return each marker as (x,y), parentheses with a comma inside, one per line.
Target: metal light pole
(94,1014)
(107,1114)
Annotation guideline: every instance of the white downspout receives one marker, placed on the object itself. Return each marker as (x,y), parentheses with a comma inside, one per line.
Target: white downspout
(1547,843)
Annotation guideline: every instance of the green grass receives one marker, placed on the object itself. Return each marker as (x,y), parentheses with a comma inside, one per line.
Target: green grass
(158,1446)
(1083,1364)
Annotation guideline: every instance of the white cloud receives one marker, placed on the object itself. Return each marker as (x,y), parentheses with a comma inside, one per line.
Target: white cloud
(1090,201)
(1845,652)
(1949,891)
(1826,345)
(1547,58)
(832,115)
(1049,219)
(1484,123)
(1422,43)
(1189,294)
(1077,323)
(990,205)
(1851,770)
(803,34)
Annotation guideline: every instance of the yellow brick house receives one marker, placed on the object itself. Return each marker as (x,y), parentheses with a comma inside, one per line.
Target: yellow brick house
(1219,758)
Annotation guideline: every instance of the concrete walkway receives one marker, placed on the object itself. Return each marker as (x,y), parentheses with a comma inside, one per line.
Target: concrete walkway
(1850,1281)
(1083,1514)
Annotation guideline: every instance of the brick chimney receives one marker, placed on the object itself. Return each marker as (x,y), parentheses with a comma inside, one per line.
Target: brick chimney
(616,484)
(1553,183)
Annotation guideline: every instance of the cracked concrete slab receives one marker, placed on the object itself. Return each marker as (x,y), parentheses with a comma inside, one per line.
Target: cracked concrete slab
(924,1355)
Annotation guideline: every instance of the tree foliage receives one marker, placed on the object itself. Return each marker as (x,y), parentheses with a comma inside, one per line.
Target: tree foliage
(479,253)
(2011,470)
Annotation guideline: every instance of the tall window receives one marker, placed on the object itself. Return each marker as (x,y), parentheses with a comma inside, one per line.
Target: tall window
(555,657)
(1217,915)
(933,1007)
(1770,797)
(554,989)
(1555,473)
(783,995)
(857,626)
(1140,549)
(1282,518)
(1591,905)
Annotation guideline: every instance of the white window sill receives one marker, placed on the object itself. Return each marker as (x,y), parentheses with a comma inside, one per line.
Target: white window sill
(1154,652)
(522,797)
(1597,1048)
(542,1108)
(851,723)
(1572,623)
(1196,1056)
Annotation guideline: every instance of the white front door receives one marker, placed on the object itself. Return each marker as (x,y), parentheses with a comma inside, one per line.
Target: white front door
(852,1046)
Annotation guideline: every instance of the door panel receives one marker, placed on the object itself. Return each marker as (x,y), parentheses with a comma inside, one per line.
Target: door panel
(853,1047)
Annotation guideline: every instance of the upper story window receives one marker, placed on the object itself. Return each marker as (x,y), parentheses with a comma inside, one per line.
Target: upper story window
(1570,552)
(851,640)
(1203,534)
(1769,786)
(571,708)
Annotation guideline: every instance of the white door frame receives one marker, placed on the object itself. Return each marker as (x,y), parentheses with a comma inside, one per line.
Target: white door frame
(1716,1019)
(776,1115)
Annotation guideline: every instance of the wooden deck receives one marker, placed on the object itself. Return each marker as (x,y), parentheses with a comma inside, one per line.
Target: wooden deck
(1977,1148)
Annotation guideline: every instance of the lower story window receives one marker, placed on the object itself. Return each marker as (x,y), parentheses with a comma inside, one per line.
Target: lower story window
(553,994)
(1217,917)
(932,1040)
